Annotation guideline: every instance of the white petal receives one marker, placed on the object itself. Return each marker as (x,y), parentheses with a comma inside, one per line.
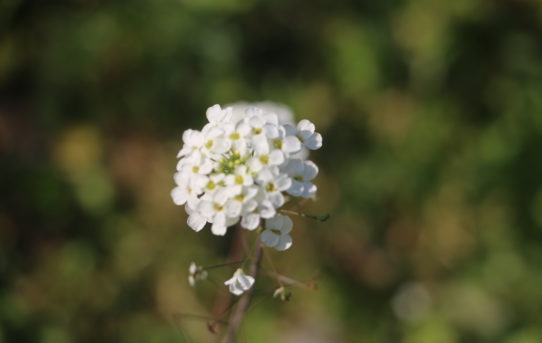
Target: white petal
(230,281)
(271,118)
(193,138)
(265,176)
(193,202)
(260,145)
(289,129)
(283,183)
(296,189)
(216,178)
(287,225)
(197,138)
(314,142)
(274,223)
(179,195)
(291,144)
(221,145)
(184,150)
(232,285)
(206,167)
(277,199)
(276,157)
(235,290)
(309,190)
(255,165)
(284,243)
(250,221)
(214,113)
(250,192)
(248,180)
(245,281)
(310,171)
(212,133)
(219,224)
(206,208)
(243,129)
(193,268)
(233,208)
(197,182)
(250,206)
(271,131)
(294,167)
(196,221)
(268,238)
(255,119)
(266,209)
(222,195)
(305,125)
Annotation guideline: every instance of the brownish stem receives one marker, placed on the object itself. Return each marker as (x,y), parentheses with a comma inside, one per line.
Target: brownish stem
(236,253)
(242,306)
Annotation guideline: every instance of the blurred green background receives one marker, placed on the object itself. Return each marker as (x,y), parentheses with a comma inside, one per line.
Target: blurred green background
(431,113)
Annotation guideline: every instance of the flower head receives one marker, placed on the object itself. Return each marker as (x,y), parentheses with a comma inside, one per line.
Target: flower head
(239,282)
(239,167)
(277,232)
(196,273)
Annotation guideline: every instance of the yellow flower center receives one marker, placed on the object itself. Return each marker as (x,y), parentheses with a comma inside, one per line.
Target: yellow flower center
(210,185)
(270,187)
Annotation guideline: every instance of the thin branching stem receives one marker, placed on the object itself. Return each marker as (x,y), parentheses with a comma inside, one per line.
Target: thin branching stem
(321,218)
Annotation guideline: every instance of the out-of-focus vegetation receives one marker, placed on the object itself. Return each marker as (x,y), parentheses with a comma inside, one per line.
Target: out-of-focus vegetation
(431,113)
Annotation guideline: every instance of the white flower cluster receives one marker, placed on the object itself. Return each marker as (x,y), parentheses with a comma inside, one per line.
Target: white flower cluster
(238,167)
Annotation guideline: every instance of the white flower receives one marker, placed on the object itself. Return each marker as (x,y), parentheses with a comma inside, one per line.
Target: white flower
(215,212)
(183,193)
(240,282)
(273,184)
(301,172)
(305,131)
(193,141)
(196,273)
(281,140)
(214,141)
(217,115)
(277,232)
(240,177)
(238,134)
(259,162)
(196,221)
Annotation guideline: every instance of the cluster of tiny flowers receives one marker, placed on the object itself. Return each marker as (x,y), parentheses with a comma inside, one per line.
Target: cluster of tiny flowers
(239,167)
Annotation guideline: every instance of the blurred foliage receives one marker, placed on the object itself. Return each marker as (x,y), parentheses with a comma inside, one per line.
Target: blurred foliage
(431,113)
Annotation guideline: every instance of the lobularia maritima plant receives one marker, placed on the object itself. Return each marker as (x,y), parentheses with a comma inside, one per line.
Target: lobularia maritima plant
(240,169)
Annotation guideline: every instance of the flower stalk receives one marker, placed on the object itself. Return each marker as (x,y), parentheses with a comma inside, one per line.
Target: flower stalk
(238,314)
